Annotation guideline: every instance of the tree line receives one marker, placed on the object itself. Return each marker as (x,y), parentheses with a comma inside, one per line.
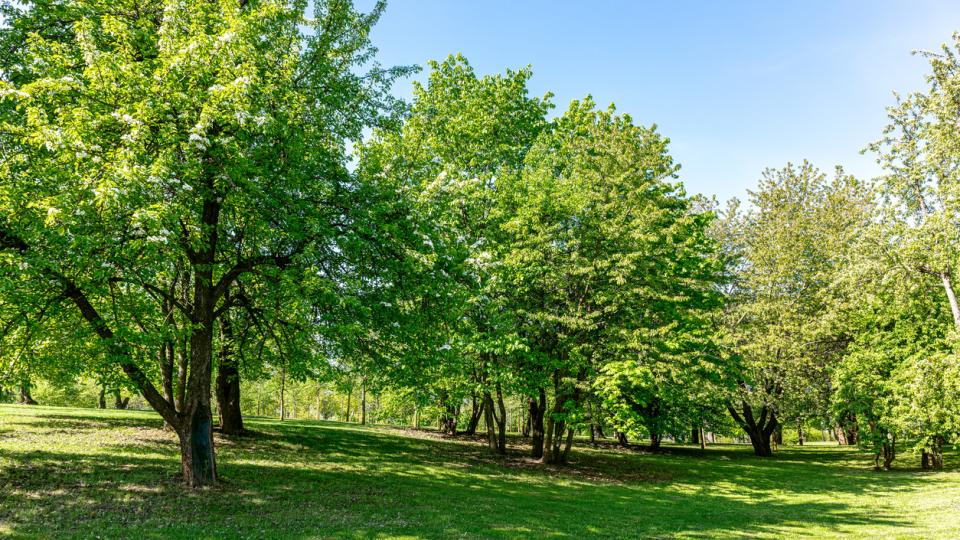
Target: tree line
(199,194)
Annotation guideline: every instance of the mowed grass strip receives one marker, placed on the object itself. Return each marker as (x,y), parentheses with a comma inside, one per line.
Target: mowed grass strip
(78,473)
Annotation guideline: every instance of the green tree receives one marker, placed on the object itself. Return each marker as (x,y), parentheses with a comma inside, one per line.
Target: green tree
(463,136)
(195,143)
(611,271)
(787,248)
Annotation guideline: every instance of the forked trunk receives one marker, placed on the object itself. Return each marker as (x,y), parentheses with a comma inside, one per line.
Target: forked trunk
(760,430)
(120,402)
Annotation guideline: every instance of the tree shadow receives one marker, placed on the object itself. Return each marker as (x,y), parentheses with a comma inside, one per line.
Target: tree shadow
(300,480)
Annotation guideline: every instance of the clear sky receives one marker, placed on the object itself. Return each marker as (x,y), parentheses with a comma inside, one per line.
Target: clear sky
(737,86)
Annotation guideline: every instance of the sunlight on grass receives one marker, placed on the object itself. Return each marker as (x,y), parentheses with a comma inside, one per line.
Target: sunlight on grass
(77,474)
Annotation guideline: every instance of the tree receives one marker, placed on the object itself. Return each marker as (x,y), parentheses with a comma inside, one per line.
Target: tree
(786,250)
(195,143)
(922,187)
(921,198)
(610,269)
(463,136)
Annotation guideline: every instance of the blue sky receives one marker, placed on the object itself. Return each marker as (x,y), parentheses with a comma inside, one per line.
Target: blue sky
(737,86)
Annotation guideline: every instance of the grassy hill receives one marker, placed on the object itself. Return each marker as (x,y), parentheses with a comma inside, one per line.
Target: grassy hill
(77,473)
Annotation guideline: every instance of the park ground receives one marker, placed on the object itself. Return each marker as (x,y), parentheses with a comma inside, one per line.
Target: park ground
(78,473)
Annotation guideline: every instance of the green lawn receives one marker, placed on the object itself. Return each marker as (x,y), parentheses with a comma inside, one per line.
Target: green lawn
(86,474)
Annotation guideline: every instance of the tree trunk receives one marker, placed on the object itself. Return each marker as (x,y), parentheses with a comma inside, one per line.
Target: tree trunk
(933,459)
(887,451)
(695,435)
(102,401)
(183,371)
(538,407)
(118,401)
(196,429)
(799,431)
(489,422)
(196,447)
(493,424)
(476,412)
(25,397)
(703,439)
(228,382)
(166,359)
(165,355)
(501,422)
(759,430)
(283,388)
(655,440)
(349,395)
(363,405)
(448,415)
(952,298)
(555,431)
(621,438)
(566,447)
(851,433)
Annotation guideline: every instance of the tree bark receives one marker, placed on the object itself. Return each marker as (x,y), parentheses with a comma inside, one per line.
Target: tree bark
(799,431)
(695,435)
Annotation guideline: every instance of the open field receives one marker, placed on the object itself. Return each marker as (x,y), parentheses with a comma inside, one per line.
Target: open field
(79,473)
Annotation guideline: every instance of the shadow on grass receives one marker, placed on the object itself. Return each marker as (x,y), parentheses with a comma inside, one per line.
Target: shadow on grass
(299,480)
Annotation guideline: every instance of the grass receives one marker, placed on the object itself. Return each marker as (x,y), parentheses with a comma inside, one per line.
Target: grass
(76,473)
